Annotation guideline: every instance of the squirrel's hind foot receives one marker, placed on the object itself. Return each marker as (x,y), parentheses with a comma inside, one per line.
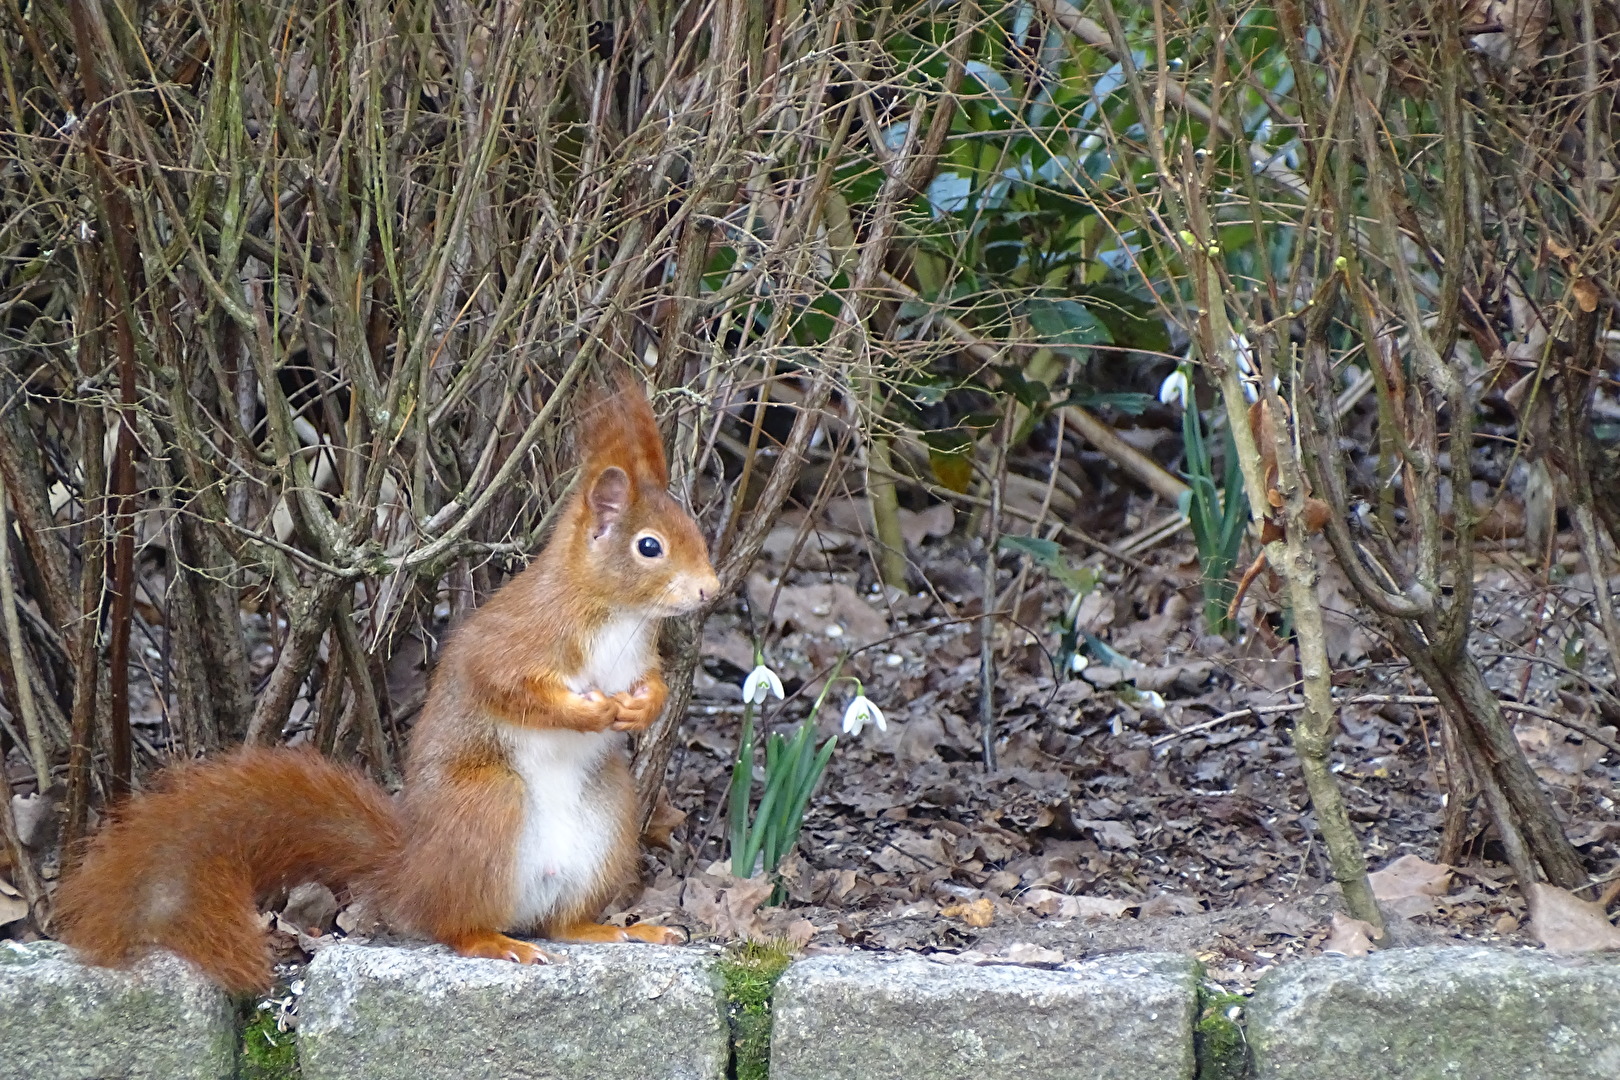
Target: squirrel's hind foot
(654,934)
(589,932)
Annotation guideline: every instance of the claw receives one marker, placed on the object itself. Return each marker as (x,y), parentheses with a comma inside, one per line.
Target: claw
(488,945)
(648,932)
(654,934)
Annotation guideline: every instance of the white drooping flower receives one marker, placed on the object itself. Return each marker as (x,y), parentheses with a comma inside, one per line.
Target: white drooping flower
(1248,371)
(761,682)
(1175,389)
(861,711)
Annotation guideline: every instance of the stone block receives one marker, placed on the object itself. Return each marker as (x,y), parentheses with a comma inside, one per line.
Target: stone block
(63,1020)
(1433,1013)
(611,1012)
(861,1017)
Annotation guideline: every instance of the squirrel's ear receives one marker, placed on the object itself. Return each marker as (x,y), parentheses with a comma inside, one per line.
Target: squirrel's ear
(608,497)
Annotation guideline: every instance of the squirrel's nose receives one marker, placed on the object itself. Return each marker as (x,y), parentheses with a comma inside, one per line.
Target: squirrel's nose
(709,589)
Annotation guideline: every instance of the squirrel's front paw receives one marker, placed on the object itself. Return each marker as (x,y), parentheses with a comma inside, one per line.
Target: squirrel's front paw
(598,711)
(637,709)
(489,945)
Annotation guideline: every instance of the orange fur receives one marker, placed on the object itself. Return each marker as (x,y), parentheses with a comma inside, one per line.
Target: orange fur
(621,430)
(589,931)
(492,946)
(182,866)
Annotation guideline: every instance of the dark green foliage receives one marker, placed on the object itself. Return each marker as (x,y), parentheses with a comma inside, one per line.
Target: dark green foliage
(1218,517)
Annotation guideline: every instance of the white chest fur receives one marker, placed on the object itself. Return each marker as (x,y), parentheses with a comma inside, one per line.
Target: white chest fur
(618,656)
(568,823)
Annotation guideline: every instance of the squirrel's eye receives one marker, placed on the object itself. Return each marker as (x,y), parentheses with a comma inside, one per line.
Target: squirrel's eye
(649,547)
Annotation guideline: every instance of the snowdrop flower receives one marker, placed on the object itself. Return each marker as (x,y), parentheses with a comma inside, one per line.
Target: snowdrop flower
(1153,700)
(1243,351)
(1248,371)
(1175,389)
(1078,663)
(860,711)
(761,683)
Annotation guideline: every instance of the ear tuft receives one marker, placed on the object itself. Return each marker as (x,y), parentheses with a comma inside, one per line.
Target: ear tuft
(619,428)
(608,498)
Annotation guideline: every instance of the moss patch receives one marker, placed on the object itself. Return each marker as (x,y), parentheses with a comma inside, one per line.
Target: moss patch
(750,971)
(266,1052)
(1218,1037)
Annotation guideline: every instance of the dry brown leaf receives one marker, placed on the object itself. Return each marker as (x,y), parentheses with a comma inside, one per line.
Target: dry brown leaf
(799,932)
(843,883)
(1042,901)
(731,910)
(1533,738)
(1587,294)
(1096,611)
(937,520)
(1110,834)
(660,898)
(818,550)
(1410,875)
(819,609)
(1186,677)
(1409,885)
(1093,907)
(1063,906)
(728,645)
(1595,832)
(920,738)
(1001,882)
(1285,918)
(35,816)
(665,820)
(11,909)
(1166,904)
(311,908)
(1568,925)
(980,912)
(1349,937)
(930,849)
(358,918)
(780,924)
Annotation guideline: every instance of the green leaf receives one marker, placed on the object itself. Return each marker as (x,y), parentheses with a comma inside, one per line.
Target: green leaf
(1128,402)
(1132,321)
(1032,394)
(742,782)
(1107,653)
(1049,556)
(1046,552)
(1066,324)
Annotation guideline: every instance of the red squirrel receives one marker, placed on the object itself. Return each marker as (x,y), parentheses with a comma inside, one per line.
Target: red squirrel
(517,814)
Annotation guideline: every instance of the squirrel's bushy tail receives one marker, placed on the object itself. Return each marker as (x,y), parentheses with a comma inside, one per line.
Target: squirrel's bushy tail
(180,866)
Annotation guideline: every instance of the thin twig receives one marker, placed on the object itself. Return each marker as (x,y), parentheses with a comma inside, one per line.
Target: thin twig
(19,660)
(1584,730)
